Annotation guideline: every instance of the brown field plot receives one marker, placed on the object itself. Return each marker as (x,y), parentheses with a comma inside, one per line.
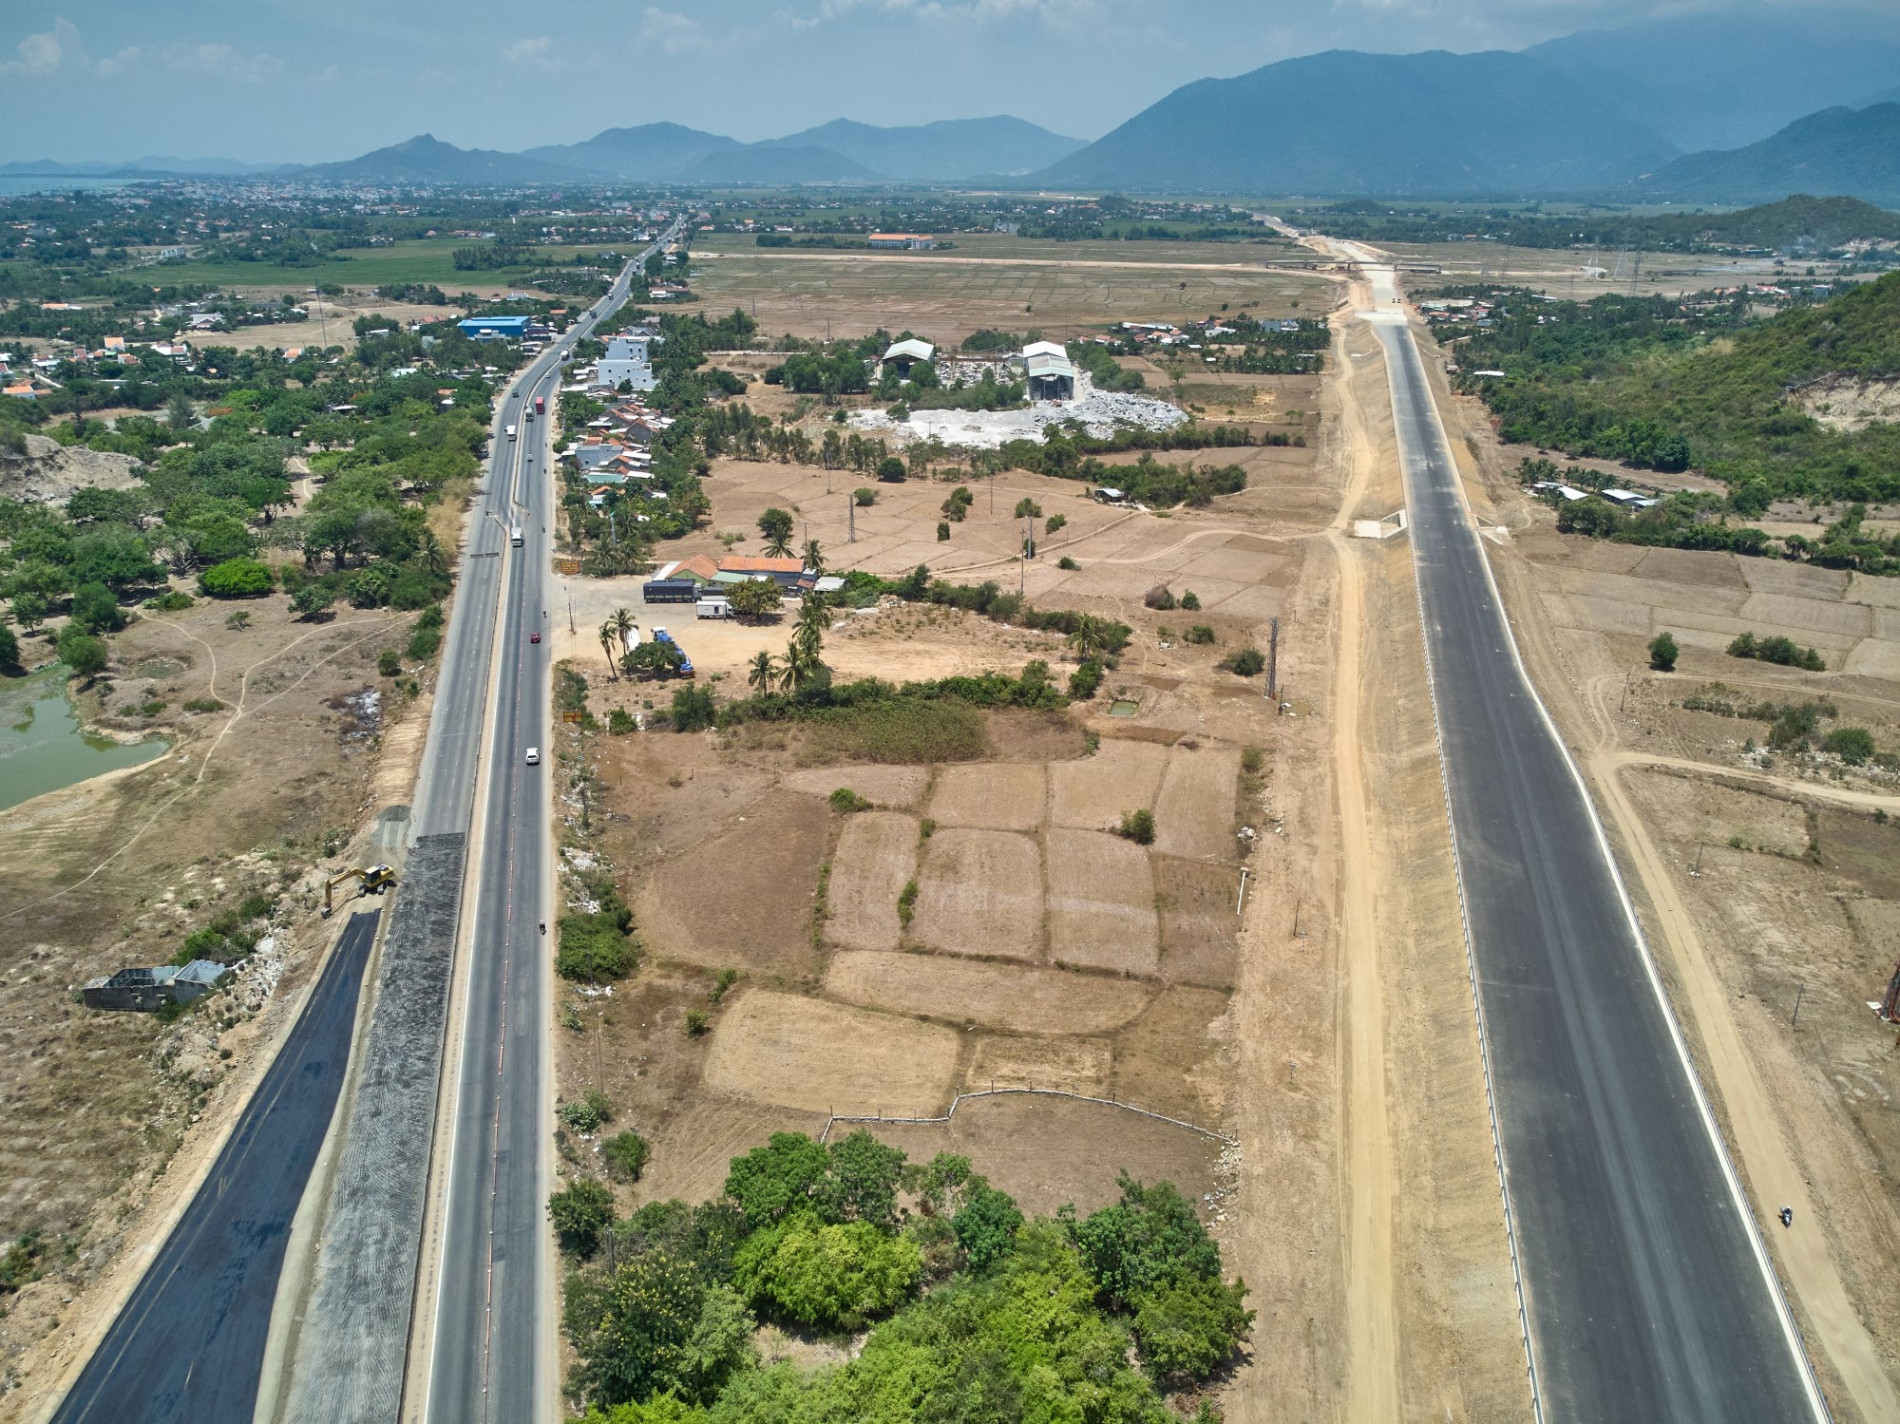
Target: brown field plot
(980,892)
(1007,797)
(990,995)
(877,854)
(805,1053)
(1101,903)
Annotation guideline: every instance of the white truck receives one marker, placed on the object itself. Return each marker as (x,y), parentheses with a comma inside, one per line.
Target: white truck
(514,535)
(511,432)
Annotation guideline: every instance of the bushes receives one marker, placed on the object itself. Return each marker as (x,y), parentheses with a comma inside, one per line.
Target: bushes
(1244,662)
(96,610)
(587,1114)
(595,946)
(581,1214)
(1086,680)
(845,801)
(236,578)
(84,654)
(1853,745)
(625,1154)
(693,709)
(1137,826)
(890,470)
(1200,633)
(1662,653)
(1776,649)
(864,496)
(389,663)
(906,731)
(1159,597)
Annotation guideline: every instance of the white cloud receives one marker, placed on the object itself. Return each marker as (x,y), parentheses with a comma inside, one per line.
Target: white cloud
(673,33)
(221,61)
(538,52)
(43,54)
(119,63)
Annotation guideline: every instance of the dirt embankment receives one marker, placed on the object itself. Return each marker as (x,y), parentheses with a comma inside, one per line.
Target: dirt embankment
(50,473)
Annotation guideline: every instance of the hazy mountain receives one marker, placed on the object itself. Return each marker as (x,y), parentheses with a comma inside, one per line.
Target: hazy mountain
(1855,152)
(1345,122)
(764,163)
(941,151)
(1723,81)
(639,154)
(426,159)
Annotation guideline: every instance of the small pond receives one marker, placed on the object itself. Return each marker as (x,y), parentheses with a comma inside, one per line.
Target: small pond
(1123,707)
(42,746)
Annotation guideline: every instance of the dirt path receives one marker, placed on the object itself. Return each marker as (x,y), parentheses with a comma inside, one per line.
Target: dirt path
(1372,1385)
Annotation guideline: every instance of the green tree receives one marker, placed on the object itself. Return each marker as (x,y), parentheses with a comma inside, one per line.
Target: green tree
(178,412)
(754,598)
(653,658)
(1138,826)
(657,1327)
(776,525)
(814,557)
(313,600)
(581,1213)
(771,1181)
(1150,1237)
(693,709)
(609,636)
(1027,508)
(82,652)
(114,556)
(1853,745)
(761,672)
(1662,652)
(860,1183)
(824,1276)
(986,1225)
(9,651)
(1190,1327)
(96,610)
(864,496)
(891,470)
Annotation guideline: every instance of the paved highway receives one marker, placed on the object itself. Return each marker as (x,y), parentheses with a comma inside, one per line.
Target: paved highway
(1648,1294)
(491,1337)
(189,1343)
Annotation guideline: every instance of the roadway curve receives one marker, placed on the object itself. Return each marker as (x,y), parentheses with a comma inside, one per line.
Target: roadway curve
(188,1346)
(1648,1294)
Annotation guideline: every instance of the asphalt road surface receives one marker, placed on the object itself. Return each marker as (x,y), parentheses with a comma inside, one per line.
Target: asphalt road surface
(189,1343)
(488,1361)
(1648,1294)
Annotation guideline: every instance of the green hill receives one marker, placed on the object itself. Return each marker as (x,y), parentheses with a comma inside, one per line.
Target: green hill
(1855,151)
(1662,385)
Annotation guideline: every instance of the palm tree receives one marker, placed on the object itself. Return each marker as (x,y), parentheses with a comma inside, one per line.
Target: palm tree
(1090,636)
(777,546)
(432,557)
(624,626)
(808,635)
(793,669)
(763,672)
(814,558)
(608,633)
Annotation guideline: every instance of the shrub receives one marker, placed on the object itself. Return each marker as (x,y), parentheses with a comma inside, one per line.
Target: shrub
(423,643)
(827,1277)
(1200,633)
(1191,602)
(1027,508)
(1065,562)
(845,800)
(1086,680)
(907,902)
(238,620)
(1853,745)
(171,602)
(1189,1328)
(84,654)
(1662,652)
(863,496)
(1055,522)
(625,1154)
(1245,662)
(1137,826)
(943,532)
(1159,597)
(389,663)
(698,1023)
(890,470)
(589,1113)
(236,578)
(1776,649)
(693,709)
(204,704)
(581,1213)
(594,947)
(620,722)
(313,600)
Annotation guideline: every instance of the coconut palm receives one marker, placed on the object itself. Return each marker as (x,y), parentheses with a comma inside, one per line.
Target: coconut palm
(1090,636)
(814,558)
(608,635)
(777,546)
(625,626)
(763,672)
(808,636)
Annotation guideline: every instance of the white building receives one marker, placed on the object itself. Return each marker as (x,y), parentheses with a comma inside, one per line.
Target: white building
(627,362)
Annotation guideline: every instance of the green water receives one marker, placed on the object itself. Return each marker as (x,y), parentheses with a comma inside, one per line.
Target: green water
(42,747)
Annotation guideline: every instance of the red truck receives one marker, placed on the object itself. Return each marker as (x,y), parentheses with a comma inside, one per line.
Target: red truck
(540,405)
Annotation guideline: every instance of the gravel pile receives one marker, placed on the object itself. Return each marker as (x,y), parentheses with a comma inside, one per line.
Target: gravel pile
(1100,412)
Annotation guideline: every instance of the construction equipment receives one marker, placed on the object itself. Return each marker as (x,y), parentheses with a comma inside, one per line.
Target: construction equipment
(1889,1007)
(376,879)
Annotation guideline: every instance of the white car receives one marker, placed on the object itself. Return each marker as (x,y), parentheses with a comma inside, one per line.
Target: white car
(534,756)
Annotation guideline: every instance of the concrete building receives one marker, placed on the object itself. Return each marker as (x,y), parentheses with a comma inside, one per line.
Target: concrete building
(149,990)
(627,362)
(902,241)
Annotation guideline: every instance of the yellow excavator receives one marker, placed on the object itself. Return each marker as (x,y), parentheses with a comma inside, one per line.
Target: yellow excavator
(376,879)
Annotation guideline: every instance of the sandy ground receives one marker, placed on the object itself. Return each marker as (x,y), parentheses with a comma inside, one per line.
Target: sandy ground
(1760,886)
(111,1118)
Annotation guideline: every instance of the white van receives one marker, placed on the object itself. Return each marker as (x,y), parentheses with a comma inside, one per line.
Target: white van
(534,756)
(511,432)
(713,608)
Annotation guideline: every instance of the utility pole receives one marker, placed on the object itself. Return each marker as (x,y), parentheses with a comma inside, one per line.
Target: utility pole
(851,515)
(1273,659)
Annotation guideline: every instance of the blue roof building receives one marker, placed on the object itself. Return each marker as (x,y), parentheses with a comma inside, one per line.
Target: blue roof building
(494,328)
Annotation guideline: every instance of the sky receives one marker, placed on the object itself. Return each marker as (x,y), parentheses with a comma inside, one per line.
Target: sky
(296,81)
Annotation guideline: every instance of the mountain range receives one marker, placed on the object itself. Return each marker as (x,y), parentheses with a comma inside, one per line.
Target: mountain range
(1711,109)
